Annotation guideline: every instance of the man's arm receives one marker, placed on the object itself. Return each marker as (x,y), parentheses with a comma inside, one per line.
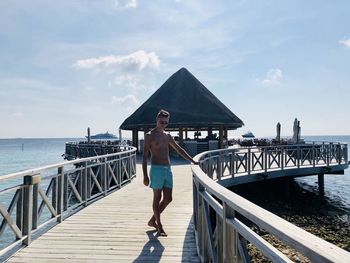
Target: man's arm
(180,150)
(146,149)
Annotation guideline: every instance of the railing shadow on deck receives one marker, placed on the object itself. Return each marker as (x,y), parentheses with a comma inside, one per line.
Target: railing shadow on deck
(220,215)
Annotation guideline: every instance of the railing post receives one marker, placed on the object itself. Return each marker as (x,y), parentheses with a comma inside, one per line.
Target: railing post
(232,163)
(210,167)
(248,161)
(200,222)
(345,149)
(230,247)
(35,205)
(219,238)
(65,192)
(84,185)
(282,157)
(313,155)
(19,210)
(328,147)
(104,179)
(265,158)
(129,166)
(195,201)
(28,181)
(54,193)
(119,172)
(219,167)
(88,181)
(298,156)
(60,198)
(339,155)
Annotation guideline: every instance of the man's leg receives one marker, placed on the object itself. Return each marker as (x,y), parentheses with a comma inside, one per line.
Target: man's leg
(167,198)
(157,195)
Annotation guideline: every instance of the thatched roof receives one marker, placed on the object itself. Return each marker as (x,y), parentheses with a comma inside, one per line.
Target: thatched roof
(190,103)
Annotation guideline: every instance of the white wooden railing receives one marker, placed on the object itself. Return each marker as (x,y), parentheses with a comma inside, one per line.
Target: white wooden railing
(33,199)
(220,215)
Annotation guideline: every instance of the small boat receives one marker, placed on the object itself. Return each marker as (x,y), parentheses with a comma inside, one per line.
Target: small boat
(248,134)
(103,136)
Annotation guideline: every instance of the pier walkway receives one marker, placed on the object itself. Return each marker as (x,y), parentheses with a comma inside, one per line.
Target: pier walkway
(114,229)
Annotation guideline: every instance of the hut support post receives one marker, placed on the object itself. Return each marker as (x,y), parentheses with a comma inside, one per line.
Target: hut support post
(221,131)
(145,131)
(321,184)
(181,136)
(210,132)
(186,135)
(135,139)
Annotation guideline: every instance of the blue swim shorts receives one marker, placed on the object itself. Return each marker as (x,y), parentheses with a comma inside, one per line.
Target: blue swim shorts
(161,176)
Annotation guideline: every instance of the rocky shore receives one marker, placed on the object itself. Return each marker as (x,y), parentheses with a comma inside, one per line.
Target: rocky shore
(325,217)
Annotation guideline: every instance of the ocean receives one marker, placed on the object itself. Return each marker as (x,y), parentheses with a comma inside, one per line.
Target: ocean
(22,154)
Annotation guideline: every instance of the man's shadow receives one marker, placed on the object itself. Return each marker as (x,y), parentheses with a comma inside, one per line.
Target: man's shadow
(152,251)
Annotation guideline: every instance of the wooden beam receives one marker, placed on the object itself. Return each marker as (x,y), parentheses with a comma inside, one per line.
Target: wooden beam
(225,133)
(210,132)
(135,139)
(221,135)
(181,137)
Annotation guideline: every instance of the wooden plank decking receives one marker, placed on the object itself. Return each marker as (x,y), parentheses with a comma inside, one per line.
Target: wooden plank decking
(114,229)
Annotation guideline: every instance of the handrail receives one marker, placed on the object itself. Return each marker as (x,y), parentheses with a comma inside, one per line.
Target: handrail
(249,160)
(64,163)
(220,233)
(61,189)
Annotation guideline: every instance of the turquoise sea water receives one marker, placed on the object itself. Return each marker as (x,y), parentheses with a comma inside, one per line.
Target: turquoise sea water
(21,154)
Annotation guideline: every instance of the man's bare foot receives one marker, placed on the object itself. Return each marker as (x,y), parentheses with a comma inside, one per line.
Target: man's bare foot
(152,223)
(161,232)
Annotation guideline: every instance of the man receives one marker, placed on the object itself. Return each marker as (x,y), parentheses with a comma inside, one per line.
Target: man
(157,142)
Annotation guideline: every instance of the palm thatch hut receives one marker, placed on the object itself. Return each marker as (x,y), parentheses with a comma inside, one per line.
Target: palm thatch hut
(191,105)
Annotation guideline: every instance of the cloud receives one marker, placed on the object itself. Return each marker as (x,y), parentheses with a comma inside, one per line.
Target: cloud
(128,101)
(121,5)
(138,60)
(17,114)
(345,42)
(273,78)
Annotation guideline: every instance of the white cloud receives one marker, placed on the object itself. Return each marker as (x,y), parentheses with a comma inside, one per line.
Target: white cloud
(125,4)
(345,42)
(128,101)
(138,60)
(17,114)
(273,77)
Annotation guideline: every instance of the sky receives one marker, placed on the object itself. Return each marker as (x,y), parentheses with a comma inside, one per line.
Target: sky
(68,65)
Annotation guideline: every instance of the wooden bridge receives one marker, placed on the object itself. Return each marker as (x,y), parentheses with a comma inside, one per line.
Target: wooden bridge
(114,229)
(99,224)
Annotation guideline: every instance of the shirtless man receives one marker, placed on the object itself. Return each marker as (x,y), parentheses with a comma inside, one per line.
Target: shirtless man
(157,142)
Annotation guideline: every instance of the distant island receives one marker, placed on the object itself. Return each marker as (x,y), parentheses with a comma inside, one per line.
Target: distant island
(103,136)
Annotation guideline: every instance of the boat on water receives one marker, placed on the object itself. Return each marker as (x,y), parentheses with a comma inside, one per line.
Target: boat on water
(248,134)
(103,136)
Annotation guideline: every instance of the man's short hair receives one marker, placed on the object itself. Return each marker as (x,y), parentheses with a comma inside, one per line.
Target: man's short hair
(163,113)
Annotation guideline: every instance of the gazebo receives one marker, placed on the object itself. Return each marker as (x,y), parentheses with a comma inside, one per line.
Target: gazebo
(191,105)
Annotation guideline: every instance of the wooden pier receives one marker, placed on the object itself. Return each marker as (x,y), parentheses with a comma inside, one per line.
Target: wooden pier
(114,229)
